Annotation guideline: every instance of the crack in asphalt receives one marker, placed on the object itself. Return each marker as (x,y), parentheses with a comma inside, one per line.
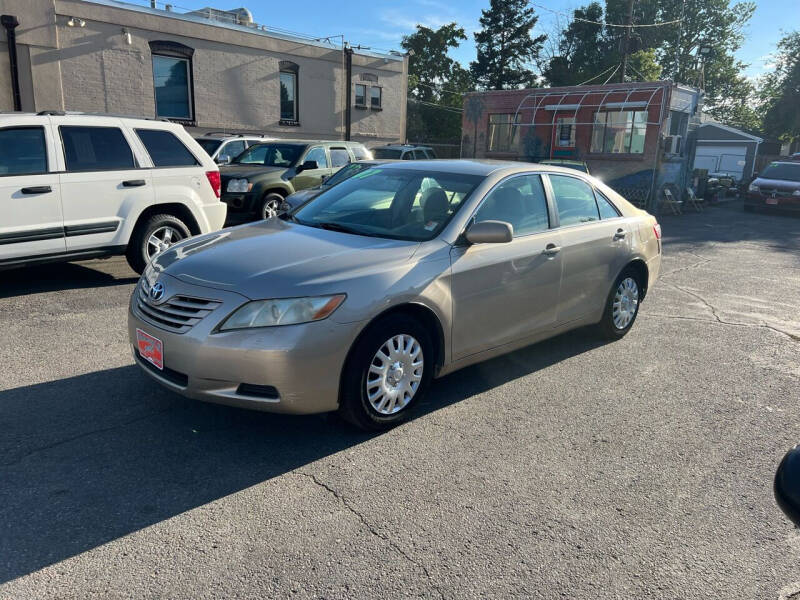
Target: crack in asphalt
(719,319)
(79,436)
(341,498)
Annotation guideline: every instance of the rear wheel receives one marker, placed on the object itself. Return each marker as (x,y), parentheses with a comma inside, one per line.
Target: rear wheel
(152,237)
(270,205)
(622,306)
(387,373)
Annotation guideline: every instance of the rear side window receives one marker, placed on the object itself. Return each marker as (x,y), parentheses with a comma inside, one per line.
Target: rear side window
(339,157)
(574,199)
(22,151)
(317,154)
(165,149)
(419,155)
(430,153)
(607,210)
(95,149)
(361,153)
(233,149)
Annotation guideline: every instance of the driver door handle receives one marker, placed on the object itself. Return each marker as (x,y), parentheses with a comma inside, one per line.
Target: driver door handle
(134,183)
(551,250)
(38,189)
(620,235)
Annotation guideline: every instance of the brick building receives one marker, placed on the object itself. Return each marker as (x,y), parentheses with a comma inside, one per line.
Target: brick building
(209,69)
(637,137)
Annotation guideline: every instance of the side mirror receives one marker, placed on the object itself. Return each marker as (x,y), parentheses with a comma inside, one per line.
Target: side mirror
(223,159)
(324,178)
(309,165)
(787,485)
(490,232)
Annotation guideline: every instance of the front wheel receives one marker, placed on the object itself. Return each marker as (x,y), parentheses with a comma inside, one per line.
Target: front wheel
(622,306)
(271,205)
(387,373)
(152,237)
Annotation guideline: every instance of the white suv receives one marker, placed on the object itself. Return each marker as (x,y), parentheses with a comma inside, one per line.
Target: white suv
(224,147)
(78,186)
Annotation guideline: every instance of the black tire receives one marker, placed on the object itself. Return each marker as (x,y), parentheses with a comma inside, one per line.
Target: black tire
(354,405)
(270,202)
(137,253)
(607,327)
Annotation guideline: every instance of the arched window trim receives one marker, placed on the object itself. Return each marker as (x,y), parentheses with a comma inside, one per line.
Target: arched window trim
(169,48)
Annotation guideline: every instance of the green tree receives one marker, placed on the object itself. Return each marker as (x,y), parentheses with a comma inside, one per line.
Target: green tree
(780,91)
(505,46)
(436,83)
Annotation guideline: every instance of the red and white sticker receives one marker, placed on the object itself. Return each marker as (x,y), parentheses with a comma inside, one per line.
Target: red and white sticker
(151,349)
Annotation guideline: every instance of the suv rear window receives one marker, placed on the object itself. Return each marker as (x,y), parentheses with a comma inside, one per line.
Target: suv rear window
(22,151)
(165,149)
(95,149)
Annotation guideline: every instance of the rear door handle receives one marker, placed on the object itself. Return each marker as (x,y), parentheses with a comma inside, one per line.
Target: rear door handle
(134,183)
(37,189)
(620,235)
(551,250)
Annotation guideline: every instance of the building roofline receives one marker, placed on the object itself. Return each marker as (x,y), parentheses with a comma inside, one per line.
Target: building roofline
(753,138)
(583,88)
(195,18)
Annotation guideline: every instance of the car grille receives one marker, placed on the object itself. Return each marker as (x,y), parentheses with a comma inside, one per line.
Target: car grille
(178,314)
(778,193)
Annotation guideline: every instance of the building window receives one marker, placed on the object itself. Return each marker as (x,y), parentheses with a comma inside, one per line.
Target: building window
(565,132)
(361,95)
(619,132)
(678,122)
(289,92)
(375,97)
(173,87)
(503,134)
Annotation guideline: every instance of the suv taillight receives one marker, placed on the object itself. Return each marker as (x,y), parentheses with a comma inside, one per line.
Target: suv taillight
(657,231)
(215,181)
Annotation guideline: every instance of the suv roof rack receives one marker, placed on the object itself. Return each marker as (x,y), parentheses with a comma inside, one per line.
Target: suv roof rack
(233,134)
(62,113)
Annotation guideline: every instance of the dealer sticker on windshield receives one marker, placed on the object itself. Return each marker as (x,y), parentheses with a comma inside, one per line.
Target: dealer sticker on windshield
(151,349)
(431,225)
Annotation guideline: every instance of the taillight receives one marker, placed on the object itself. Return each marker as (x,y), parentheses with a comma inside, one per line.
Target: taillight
(657,231)
(215,181)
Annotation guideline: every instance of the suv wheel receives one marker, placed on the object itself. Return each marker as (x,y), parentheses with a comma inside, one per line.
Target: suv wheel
(387,373)
(270,205)
(152,237)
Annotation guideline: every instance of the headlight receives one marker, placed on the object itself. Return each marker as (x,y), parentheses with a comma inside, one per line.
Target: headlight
(239,185)
(149,276)
(284,311)
(753,188)
(796,193)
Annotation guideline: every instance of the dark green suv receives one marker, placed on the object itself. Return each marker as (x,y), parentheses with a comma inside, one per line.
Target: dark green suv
(255,183)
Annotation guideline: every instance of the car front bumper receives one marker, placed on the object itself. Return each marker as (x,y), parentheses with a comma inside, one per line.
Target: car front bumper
(779,202)
(287,369)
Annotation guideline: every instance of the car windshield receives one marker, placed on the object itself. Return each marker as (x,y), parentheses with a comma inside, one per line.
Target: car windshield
(400,204)
(270,155)
(210,146)
(346,173)
(785,171)
(386,153)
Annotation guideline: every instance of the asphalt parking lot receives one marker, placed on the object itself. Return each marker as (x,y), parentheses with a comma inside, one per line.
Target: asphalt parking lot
(573,468)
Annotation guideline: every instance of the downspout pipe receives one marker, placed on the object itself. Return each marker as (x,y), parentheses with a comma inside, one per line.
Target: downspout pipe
(10,22)
(348,76)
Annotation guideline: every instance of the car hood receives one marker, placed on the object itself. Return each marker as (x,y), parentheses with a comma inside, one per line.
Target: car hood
(247,171)
(275,259)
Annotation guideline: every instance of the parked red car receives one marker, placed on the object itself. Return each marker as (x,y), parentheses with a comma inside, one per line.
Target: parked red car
(777,186)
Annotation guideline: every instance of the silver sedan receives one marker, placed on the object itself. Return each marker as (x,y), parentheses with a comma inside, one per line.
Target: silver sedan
(405,272)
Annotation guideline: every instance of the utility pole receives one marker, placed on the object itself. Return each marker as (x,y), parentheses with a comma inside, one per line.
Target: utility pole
(348,77)
(10,23)
(626,44)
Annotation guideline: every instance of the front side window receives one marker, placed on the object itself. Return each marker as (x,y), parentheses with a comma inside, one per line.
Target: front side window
(361,94)
(288,96)
(503,134)
(165,149)
(519,201)
(375,97)
(317,154)
(210,146)
(619,132)
(574,200)
(565,132)
(339,157)
(361,153)
(346,173)
(270,155)
(23,151)
(172,83)
(380,202)
(95,149)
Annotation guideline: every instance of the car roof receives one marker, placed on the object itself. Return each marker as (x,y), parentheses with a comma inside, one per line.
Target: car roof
(560,161)
(314,142)
(403,147)
(482,167)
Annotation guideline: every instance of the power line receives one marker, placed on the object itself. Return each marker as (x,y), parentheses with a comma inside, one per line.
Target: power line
(597,76)
(439,106)
(604,24)
(440,89)
(612,75)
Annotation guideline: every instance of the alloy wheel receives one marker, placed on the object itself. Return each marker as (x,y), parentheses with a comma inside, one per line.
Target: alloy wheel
(161,239)
(271,208)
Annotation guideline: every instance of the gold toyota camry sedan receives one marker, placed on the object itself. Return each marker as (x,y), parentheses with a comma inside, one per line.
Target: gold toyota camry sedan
(404,272)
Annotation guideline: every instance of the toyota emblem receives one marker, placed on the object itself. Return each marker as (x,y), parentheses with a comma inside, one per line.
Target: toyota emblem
(157,291)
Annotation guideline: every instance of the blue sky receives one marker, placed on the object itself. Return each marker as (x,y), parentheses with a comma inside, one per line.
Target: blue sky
(381,24)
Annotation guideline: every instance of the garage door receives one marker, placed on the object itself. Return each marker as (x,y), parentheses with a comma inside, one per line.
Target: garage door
(728,158)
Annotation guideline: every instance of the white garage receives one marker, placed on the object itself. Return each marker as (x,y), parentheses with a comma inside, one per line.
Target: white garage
(723,150)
